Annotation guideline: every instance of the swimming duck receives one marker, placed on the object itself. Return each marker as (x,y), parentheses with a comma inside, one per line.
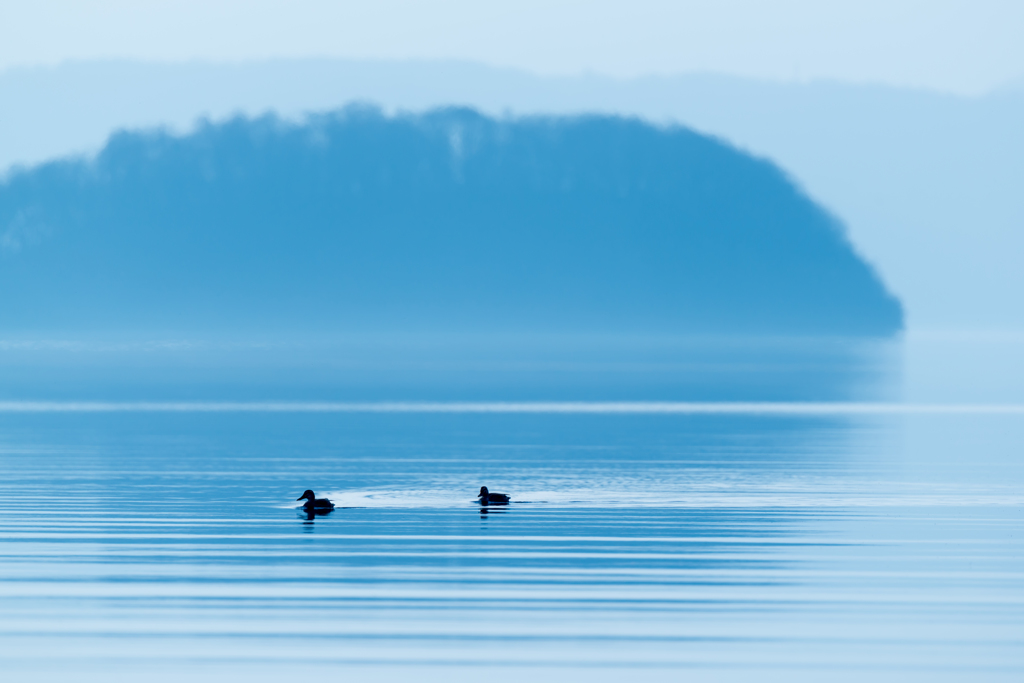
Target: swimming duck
(492,498)
(314,503)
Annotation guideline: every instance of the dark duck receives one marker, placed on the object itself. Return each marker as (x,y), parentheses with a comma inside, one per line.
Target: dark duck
(488,498)
(315,504)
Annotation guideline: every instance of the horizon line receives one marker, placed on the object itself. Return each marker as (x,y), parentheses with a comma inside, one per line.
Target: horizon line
(975,92)
(521,407)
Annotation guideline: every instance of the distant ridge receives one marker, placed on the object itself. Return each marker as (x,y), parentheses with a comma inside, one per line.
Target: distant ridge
(449,220)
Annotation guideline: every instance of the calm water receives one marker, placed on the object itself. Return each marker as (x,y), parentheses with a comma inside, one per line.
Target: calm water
(744,546)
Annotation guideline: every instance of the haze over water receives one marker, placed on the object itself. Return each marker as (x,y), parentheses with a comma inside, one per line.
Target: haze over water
(795,545)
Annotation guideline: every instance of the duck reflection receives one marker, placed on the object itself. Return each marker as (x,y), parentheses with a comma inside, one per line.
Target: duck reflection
(310,514)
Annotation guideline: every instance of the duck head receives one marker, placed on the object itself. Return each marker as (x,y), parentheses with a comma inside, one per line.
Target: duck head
(307,495)
(483,492)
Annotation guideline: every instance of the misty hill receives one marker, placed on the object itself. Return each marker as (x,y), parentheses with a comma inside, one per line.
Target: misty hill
(444,221)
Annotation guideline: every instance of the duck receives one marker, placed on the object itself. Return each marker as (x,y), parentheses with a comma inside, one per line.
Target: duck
(314,503)
(487,497)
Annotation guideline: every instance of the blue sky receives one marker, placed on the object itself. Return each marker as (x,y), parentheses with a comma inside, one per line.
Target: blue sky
(959,46)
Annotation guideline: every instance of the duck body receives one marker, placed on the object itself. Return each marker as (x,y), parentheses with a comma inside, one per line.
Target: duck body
(314,503)
(488,498)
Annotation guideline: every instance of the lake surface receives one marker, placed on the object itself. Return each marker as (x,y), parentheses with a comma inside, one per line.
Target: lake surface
(164,544)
